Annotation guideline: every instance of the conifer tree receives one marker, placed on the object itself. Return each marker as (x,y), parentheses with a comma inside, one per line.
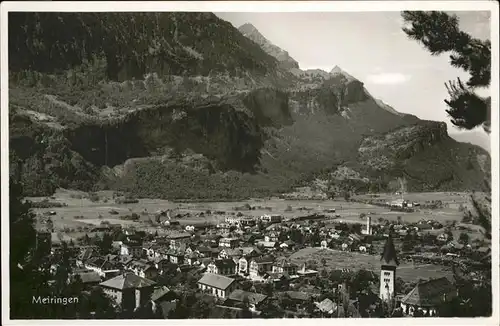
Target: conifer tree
(439,33)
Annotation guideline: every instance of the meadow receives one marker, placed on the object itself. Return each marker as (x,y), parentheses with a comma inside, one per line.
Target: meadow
(334,259)
(94,212)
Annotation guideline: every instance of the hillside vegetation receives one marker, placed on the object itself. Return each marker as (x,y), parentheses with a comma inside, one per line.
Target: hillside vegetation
(182,105)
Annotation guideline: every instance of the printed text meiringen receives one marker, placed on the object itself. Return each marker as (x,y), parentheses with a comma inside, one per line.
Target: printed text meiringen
(55,300)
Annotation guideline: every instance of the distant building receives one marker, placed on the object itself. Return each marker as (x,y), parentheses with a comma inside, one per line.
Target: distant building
(368,230)
(324,244)
(428,296)
(176,257)
(88,278)
(247,221)
(178,239)
(268,244)
(284,266)
(222,267)
(238,297)
(143,269)
(131,249)
(217,285)
(129,290)
(243,266)
(304,271)
(271,218)
(259,266)
(230,253)
(102,266)
(229,242)
(443,237)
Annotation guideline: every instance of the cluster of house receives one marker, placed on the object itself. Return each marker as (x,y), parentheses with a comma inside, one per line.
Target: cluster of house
(130,280)
(238,250)
(129,275)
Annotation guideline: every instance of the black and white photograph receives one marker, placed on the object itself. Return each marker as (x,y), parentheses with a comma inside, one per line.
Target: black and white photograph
(234,160)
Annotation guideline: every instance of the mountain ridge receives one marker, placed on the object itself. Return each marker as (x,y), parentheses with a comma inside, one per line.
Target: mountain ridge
(252,33)
(246,127)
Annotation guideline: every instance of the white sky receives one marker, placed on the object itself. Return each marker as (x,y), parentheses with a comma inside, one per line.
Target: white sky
(371,47)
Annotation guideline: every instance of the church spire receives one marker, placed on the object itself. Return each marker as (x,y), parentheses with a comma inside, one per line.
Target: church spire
(389,256)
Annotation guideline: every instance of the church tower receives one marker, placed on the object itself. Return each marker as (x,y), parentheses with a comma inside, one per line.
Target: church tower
(390,262)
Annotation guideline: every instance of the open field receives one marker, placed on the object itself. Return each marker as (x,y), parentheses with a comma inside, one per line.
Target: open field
(452,199)
(355,261)
(95,212)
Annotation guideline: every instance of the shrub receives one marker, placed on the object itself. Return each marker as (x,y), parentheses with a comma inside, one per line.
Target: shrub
(93,197)
(46,204)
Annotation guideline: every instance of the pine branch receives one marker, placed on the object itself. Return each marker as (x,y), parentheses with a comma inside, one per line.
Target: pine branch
(466,109)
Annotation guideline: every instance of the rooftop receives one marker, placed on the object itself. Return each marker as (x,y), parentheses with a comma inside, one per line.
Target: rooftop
(430,293)
(225,263)
(217,281)
(264,260)
(326,305)
(127,281)
(389,256)
(159,293)
(89,277)
(253,298)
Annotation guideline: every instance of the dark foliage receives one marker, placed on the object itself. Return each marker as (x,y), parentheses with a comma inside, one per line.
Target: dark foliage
(251,145)
(133,44)
(439,32)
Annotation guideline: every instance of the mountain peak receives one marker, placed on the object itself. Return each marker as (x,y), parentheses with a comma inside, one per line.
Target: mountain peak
(338,71)
(248,28)
(251,32)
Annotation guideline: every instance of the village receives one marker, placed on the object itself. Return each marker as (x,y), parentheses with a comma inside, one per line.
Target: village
(314,264)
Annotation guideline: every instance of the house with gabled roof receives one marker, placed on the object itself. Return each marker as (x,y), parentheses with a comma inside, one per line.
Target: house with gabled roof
(192,258)
(288,244)
(152,250)
(131,249)
(177,239)
(86,253)
(87,278)
(175,256)
(243,265)
(259,266)
(238,297)
(230,253)
(428,296)
(326,306)
(143,268)
(250,252)
(229,242)
(222,267)
(217,285)
(209,251)
(284,266)
(270,245)
(103,267)
(129,290)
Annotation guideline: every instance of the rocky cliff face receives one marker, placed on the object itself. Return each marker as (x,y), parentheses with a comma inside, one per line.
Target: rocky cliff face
(216,130)
(209,113)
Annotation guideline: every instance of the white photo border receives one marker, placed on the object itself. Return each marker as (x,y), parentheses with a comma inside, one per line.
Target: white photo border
(253,6)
